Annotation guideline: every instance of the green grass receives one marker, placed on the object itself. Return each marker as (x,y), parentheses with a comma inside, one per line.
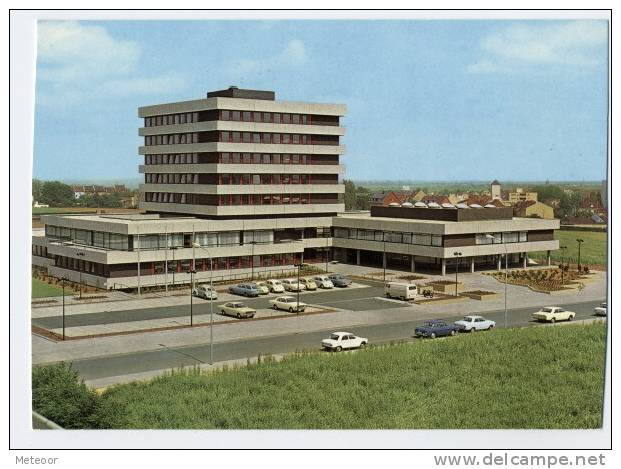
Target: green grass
(592,252)
(539,377)
(41,289)
(51,210)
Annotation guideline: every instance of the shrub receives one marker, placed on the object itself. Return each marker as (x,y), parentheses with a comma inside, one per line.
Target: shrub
(60,395)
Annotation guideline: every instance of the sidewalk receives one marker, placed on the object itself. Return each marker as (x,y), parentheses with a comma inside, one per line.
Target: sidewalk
(45,351)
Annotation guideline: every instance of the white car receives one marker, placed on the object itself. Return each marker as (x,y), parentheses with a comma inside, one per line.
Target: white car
(275,286)
(323,281)
(601,310)
(343,340)
(288,303)
(292,284)
(553,314)
(263,287)
(205,291)
(475,323)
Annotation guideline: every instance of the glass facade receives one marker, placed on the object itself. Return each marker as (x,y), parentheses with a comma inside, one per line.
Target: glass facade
(388,236)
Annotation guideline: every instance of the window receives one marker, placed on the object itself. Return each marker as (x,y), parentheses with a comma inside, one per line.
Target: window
(228,238)
(276,118)
(266,138)
(295,138)
(224,158)
(267,117)
(246,137)
(276,138)
(247,116)
(247,158)
(236,137)
(226,115)
(286,138)
(276,157)
(265,159)
(256,158)
(256,138)
(295,119)
(256,179)
(236,116)
(257,116)
(523,236)
(286,118)
(224,136)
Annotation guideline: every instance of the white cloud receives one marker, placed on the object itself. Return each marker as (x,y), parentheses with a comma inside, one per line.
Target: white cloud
(76,58)
(572,43)
(292,56)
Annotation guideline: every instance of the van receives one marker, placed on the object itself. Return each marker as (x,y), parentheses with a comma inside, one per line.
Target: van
(403,291)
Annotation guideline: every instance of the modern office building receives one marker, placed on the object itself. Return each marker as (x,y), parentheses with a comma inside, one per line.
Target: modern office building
(239,184)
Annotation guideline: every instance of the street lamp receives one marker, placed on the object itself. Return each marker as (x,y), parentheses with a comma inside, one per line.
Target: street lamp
(80,254)
(494,238)
(197,245)
(563,248)
(457,256)
(62,279)
(192,272)
(579,241)
(384,260)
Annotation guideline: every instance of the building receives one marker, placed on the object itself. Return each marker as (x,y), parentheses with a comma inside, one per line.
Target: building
(387,198)
(531,208)
(437,239)
(239,184)
(520,195)
(495,191)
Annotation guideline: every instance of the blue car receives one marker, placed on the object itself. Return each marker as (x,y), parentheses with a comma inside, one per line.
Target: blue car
(339,280)
(245,289)
(436,328)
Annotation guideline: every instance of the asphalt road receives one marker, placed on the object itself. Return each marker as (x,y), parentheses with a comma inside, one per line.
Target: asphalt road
(355,299)
(103,367)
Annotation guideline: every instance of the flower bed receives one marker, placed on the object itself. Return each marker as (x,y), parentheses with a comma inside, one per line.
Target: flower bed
(543,280)
(481,295)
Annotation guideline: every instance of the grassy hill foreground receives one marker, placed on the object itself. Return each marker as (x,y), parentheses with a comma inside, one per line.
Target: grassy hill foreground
(537,377)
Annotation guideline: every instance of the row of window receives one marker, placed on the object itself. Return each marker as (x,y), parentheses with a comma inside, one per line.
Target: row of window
(171,119)
(101,239)
(238,179)
(239,158)
(243,199)
(388,236)
(499,238)
(266,117)
(267,138)
(171,139)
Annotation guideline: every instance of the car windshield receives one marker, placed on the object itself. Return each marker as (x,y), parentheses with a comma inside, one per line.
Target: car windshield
(468,319)
(547,310)
(334,337)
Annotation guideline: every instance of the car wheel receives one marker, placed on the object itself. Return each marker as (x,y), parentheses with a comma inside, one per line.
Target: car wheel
(338,349)
(570,317)
(491,326)
(553,320)
(472,329)
(291,310)
(432,335)
(363,345)
(453,332)
(238,316)
(274,307)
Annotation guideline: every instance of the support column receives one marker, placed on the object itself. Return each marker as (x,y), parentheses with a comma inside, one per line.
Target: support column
(412,264)
(499,262)
(357,256)
(548,259)
(384,260)
(443,267)
(525,260)
(472,264)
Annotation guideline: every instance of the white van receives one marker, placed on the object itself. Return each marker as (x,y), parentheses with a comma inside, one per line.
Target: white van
(403,291)
(205,291)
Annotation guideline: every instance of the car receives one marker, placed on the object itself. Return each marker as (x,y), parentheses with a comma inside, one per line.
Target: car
(339,280)
(245,289)
(237,309)
(288,303)
(308,283)
(601,310)
(265,289)
(205,291)
(472,323)
(435,328)
(275,286)
(343,340)
(292,284)
(322,281)
(553,314)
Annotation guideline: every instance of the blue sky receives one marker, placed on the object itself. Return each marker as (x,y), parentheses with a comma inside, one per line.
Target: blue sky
(427,100)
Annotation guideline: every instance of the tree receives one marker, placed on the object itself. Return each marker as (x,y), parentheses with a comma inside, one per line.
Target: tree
(57,194)
(363,196)
(548,192)
(350,195)
(37,185)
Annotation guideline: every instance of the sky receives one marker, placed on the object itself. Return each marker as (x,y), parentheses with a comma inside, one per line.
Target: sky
(435,100)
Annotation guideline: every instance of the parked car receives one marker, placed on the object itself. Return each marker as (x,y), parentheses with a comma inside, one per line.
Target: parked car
(435,328)
(263,288)
(323,281)
(205,291)
(553,314)
(245,289)
(339,280)
(288,303)
(236,309)
(275,286)
(309,284)
(292,284)
(475,323)
(403,291)
(601,310)
(343,340)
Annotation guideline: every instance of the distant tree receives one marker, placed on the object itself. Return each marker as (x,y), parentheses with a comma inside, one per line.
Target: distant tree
(363,198)
(37,185)
(548,192)
(57,194)
(350,195)
(568,205)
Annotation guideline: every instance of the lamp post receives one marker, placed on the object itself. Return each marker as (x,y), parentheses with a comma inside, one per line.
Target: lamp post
(457,256)
(192,272)
(563,248)
(63,284)
(579,241)
(197,245)
(174,263)
(80,254)
(494,238)
(327,251)
(384,260)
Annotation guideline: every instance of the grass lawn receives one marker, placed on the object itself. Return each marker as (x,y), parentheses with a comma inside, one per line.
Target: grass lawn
(592,252)
(42,289)
(538,377)
(48,210)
